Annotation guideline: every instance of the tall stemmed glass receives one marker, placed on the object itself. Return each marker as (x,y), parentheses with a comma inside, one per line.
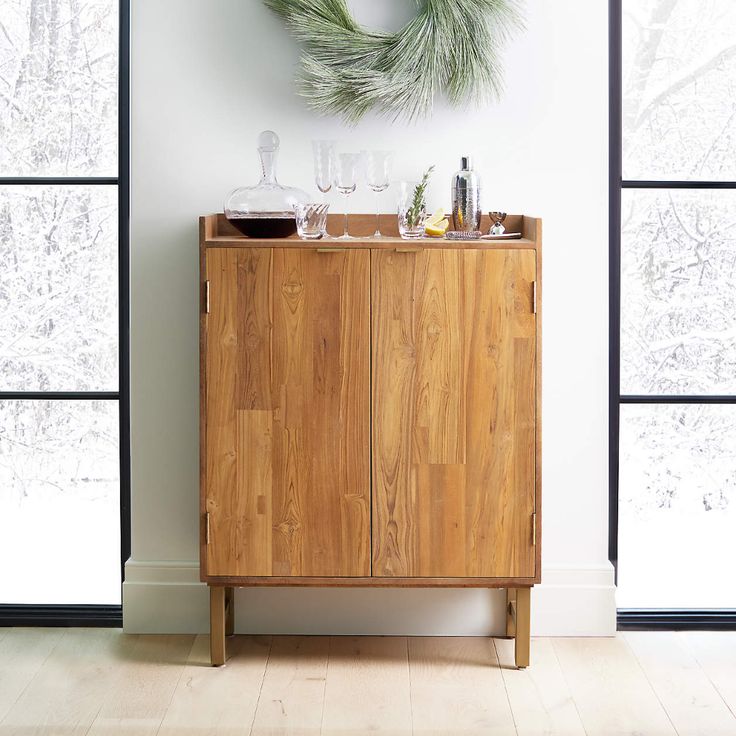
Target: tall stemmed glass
(324,165)
(378,178)
(346,174)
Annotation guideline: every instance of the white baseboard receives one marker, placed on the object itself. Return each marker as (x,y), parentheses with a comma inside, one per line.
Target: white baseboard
(575,601)
(167,597)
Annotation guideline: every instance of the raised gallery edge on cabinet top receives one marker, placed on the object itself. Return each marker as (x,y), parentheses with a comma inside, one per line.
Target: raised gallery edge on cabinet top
(217,232)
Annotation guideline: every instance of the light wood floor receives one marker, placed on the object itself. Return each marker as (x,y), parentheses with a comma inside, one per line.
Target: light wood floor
(101,682)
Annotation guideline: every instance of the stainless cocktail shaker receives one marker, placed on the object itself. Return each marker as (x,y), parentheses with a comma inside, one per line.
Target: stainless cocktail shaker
(466,210)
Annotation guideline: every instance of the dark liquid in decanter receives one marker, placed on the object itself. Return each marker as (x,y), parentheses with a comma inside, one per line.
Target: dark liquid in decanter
(264,227)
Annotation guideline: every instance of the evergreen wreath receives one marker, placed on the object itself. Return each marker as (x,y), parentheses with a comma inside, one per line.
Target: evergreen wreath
(453,45)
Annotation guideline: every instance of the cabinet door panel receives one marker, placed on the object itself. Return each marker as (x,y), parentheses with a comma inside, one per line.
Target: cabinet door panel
(287,448)
(454,359)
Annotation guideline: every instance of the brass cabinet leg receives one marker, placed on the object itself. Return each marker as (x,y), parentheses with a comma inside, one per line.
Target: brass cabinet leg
(523,621)
(217,625)
(511,612)
(229,611)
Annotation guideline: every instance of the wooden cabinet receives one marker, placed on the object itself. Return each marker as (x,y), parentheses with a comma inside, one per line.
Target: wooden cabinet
(454,357)
(287,449)
(369,415)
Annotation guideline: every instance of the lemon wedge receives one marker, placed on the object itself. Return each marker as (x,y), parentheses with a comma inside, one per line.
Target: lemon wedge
(436,218)
(437,229)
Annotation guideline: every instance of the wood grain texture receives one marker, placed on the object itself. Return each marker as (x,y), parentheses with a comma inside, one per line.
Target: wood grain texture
(532,229)
(370,582)
(66,693)
(689,697)
(292,696)
(612,693)
(131,685)
(221,494)
(715,652)
(146,678)
(288,425)
(367,688)
(218,702)
(457,687)
(252,391)
(454,409)
(22,654)
(539,696)
(362,227)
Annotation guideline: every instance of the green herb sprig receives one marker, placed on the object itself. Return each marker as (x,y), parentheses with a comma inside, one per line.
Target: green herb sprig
(414,213)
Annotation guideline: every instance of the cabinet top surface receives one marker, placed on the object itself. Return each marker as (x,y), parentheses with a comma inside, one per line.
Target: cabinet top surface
(217,232)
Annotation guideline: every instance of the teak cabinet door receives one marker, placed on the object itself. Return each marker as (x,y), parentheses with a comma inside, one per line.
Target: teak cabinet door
(288,412)
(454,352)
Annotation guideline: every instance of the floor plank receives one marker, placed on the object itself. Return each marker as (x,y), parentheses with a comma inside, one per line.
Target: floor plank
(69,682)
(147,677)
(457,687)
(715,652)
(22,654)
(367,689)
(218,701)
(69,688)
(688,696)
(293,691)
(611,692)
(540,698)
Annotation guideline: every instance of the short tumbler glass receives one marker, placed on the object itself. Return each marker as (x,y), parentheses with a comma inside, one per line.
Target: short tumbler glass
(411,213)
(311,220)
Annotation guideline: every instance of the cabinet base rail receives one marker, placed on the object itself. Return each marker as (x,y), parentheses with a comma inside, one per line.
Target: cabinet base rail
(222,622)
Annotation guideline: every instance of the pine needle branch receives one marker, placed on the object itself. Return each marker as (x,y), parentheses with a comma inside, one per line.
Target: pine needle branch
(451,44)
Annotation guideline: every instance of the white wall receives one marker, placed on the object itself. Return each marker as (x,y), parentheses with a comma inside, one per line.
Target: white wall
(206,78)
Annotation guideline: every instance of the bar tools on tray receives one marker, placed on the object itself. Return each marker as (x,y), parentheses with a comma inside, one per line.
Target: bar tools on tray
(463,235)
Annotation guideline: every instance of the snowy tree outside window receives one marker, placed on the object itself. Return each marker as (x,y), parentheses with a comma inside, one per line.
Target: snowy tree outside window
(59,458)
(677,461)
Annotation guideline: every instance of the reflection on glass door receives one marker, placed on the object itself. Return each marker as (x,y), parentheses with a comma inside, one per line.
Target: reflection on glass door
(677,429)
(59,342)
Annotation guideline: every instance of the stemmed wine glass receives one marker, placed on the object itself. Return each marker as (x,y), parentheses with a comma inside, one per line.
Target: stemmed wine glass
(346,170)
(378,178)
(324,165)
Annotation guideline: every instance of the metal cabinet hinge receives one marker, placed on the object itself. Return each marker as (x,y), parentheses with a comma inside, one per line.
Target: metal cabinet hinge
(206,297)
(534,297)
(534,529)
(207,527)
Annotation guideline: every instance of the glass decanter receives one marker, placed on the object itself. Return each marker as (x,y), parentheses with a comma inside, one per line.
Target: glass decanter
(265,210)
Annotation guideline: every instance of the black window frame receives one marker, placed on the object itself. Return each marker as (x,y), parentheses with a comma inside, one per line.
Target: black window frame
(97,615)
(640,618)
